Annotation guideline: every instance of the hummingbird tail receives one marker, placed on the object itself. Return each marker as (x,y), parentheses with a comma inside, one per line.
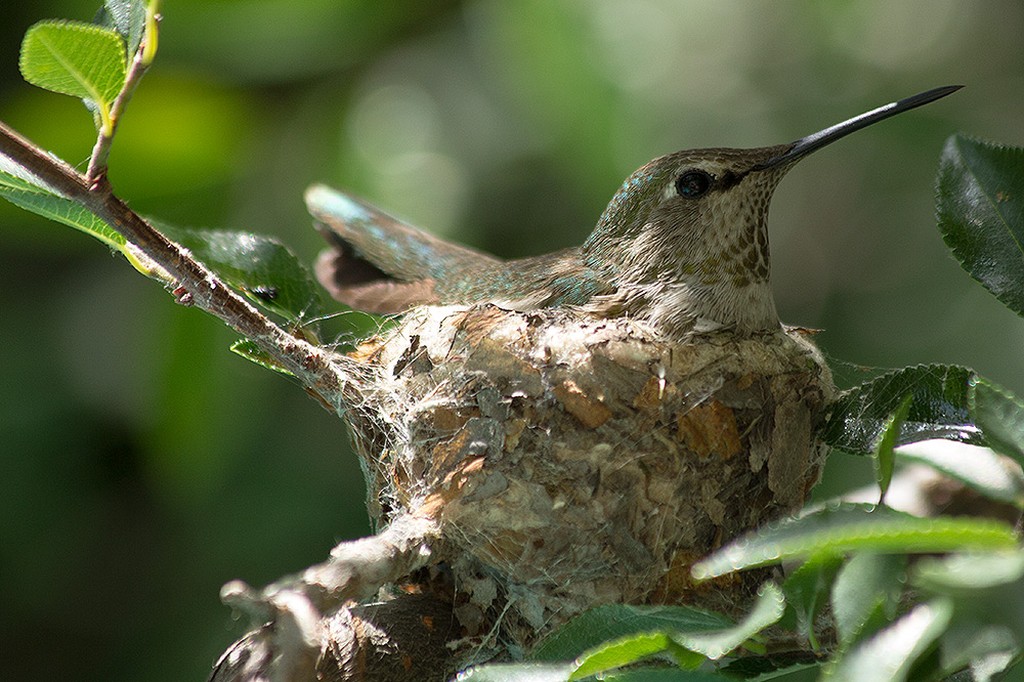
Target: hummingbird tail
(361,285)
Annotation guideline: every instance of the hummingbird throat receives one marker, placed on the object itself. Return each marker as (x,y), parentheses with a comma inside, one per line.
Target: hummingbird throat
(730,289)
(698,268)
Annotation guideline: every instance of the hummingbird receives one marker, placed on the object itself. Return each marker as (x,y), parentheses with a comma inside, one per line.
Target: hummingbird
(682,246)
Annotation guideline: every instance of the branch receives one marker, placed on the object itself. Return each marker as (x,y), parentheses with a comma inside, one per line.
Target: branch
(356,570)
(195,283)
(294,645)
(410,637)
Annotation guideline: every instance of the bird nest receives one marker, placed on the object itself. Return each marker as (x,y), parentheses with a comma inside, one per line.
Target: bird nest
(570,462)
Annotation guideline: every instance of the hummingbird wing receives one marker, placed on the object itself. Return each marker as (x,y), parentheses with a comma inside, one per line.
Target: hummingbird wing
(380,264)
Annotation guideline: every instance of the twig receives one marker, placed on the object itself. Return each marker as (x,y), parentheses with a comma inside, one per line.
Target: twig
(97,169)
(356,570)
(96,173)
(314,368)
(408,636)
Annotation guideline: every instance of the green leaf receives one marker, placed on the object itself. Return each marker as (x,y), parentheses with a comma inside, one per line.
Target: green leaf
(982,648)
(688,649)
(805,588)
(560,672)
(884,456)
(665,675)
(891,653)
(49,205)
(78,59)
(961,573)
(260,267)
(518,672)
(614,621)
(1014,672)
(980,204)
(849,527)
(938,408)
(977,467)
(866,593)
(253,353)
(629,650)
(33,197)
(987,591)
(1000,414)
(128,18)
(763,669)
(767,611)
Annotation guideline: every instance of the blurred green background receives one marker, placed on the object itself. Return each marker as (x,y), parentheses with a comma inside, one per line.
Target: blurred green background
(142,465)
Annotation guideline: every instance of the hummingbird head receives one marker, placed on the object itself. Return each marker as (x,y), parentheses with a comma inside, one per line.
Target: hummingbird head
(685,240)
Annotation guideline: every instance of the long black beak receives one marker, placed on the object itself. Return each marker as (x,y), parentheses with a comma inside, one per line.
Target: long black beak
(815,141)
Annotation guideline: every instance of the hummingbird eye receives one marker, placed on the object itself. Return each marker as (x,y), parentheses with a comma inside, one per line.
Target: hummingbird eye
(693,184)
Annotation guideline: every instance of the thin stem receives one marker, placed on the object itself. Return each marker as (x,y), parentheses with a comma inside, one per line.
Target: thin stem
(310,364)
(141,61)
